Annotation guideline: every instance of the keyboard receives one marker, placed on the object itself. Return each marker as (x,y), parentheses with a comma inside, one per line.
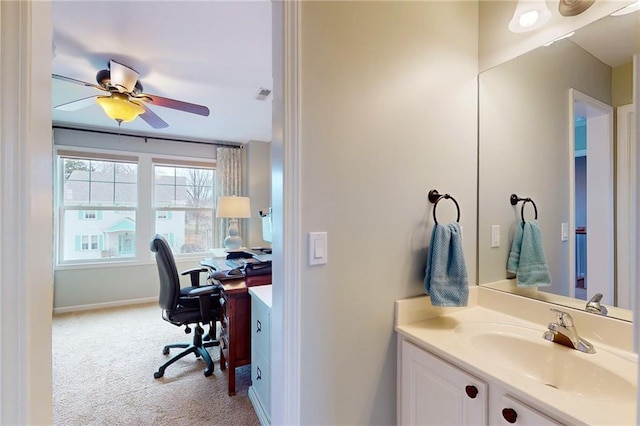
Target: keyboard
(235,263)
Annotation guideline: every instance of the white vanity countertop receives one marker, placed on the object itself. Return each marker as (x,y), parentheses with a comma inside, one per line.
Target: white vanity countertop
(434,330)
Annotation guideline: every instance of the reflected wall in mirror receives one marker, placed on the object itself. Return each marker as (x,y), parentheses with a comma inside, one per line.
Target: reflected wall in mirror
(546,131)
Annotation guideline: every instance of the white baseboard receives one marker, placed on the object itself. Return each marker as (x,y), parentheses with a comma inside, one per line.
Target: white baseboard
(258,408)
(94,306)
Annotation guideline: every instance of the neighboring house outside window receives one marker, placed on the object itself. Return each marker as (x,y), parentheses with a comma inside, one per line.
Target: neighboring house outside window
(185,195)
(108,188)
(98,206)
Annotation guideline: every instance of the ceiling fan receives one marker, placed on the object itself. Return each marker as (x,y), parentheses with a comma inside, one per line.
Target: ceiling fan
(124,99)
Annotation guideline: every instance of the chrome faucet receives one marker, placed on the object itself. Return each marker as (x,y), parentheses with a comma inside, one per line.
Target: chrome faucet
(564,332)
(595,307)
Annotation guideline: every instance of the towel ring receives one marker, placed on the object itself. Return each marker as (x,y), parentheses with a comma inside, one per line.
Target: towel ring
(514,199)
(435,197)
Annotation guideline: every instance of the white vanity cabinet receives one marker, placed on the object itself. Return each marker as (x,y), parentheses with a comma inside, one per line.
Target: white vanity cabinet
(260,390)
(435,392)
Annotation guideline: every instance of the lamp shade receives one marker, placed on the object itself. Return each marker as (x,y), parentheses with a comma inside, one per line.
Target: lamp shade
(233,207)
(118,107)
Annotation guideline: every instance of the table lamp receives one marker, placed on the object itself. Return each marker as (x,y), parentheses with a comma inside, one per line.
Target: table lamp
(233,207)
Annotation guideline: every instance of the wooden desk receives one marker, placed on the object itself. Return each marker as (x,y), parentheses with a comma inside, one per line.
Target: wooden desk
(235,335)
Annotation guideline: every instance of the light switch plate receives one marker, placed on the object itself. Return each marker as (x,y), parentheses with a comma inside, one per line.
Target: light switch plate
(317,248)
(495,235)
(565,232)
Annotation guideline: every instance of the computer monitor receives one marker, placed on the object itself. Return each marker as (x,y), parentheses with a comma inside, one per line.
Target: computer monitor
(266,226)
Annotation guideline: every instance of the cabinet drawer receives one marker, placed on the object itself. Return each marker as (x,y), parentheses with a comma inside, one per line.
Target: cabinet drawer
(261,328)
(514,411)
(261,380)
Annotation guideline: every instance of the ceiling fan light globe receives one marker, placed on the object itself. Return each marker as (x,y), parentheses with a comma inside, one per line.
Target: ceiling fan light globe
(118,107)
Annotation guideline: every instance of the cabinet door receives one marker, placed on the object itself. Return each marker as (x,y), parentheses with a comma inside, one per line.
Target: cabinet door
(513,411)
(434,392)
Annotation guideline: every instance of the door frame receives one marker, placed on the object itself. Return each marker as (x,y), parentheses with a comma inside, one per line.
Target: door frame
(600,196)
(625,194)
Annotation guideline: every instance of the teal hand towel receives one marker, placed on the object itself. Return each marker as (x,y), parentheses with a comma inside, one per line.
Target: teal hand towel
(514,254)
(446,279)
(532,269)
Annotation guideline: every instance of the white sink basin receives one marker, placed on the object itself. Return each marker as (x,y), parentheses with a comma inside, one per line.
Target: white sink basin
(602,376)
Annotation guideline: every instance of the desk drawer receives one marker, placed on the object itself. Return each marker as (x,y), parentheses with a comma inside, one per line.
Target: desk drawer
(261,381)
(261,328)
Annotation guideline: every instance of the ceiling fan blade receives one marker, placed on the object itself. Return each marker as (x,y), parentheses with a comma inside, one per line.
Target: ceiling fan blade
(122,76)
(77,104)
(80,82)
(151,118)
(179,105)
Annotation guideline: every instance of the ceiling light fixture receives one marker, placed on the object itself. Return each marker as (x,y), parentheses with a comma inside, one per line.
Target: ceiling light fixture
(574,7)
(118,107)
(529,15)
(633,7)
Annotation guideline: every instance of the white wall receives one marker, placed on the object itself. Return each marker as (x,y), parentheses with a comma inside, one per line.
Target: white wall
(259,182)
(497,44)
(388,112)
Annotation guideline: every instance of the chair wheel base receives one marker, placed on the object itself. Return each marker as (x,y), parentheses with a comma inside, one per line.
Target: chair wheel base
(158,374)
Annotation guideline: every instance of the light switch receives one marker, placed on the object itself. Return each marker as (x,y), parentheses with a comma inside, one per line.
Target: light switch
(565,232)
(495,235)
(317,248)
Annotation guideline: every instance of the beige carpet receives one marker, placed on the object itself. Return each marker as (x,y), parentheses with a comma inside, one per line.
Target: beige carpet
(103,365)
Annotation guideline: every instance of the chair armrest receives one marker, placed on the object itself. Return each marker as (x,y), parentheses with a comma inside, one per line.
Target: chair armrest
(200,291)
(205,294)
(194,274)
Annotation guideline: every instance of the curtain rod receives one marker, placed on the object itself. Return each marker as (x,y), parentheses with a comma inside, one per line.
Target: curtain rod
(145,137)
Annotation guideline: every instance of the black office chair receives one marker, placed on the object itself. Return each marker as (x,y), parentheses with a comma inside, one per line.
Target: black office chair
(190,305)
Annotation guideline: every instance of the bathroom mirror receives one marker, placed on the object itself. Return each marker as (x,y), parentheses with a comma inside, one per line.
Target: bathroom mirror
(536,132)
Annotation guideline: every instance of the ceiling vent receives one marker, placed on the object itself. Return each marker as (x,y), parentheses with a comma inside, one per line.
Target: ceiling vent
(263,94)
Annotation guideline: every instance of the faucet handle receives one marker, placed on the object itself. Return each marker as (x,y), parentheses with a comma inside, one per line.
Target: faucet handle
(594,306)
(564,318)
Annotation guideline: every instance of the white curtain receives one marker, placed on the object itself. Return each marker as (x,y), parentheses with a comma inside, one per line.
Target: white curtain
(228,182)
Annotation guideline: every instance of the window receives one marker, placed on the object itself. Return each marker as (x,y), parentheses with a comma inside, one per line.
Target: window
(108,229)
(183,202)
(87,242)
(102,197)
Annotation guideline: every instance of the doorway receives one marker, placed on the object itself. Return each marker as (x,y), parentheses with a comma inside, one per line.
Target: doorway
(592,199)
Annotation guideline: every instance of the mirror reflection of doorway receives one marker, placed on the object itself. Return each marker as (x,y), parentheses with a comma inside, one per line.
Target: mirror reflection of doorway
(592,239)
(580,152)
